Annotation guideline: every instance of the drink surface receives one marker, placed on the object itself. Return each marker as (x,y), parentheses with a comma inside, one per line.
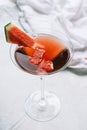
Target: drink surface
(47,56)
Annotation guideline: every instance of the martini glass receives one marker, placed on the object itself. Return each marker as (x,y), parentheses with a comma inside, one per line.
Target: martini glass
(42,105)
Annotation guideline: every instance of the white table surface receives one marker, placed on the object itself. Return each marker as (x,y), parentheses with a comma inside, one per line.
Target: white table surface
(16,85)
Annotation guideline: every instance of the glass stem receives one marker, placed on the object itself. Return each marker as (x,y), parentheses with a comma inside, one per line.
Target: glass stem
(42,88)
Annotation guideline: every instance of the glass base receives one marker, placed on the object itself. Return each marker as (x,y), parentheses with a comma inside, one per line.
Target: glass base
(42,110)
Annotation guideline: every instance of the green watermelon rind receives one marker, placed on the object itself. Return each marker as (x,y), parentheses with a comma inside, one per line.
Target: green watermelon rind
(6,28)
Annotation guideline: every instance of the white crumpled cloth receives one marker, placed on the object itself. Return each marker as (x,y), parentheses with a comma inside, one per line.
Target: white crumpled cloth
(67,16)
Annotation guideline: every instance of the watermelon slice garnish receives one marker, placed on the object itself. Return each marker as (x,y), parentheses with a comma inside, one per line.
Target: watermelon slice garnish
(17,36)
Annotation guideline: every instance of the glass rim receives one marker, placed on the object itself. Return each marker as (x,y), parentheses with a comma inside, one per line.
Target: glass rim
(70,48)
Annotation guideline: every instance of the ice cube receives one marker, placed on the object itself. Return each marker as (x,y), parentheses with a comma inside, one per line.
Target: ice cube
(39,52)
(37,56)
(35,60)
(47,65)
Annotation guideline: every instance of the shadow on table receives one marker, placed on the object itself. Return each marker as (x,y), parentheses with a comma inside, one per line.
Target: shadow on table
(77,71)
